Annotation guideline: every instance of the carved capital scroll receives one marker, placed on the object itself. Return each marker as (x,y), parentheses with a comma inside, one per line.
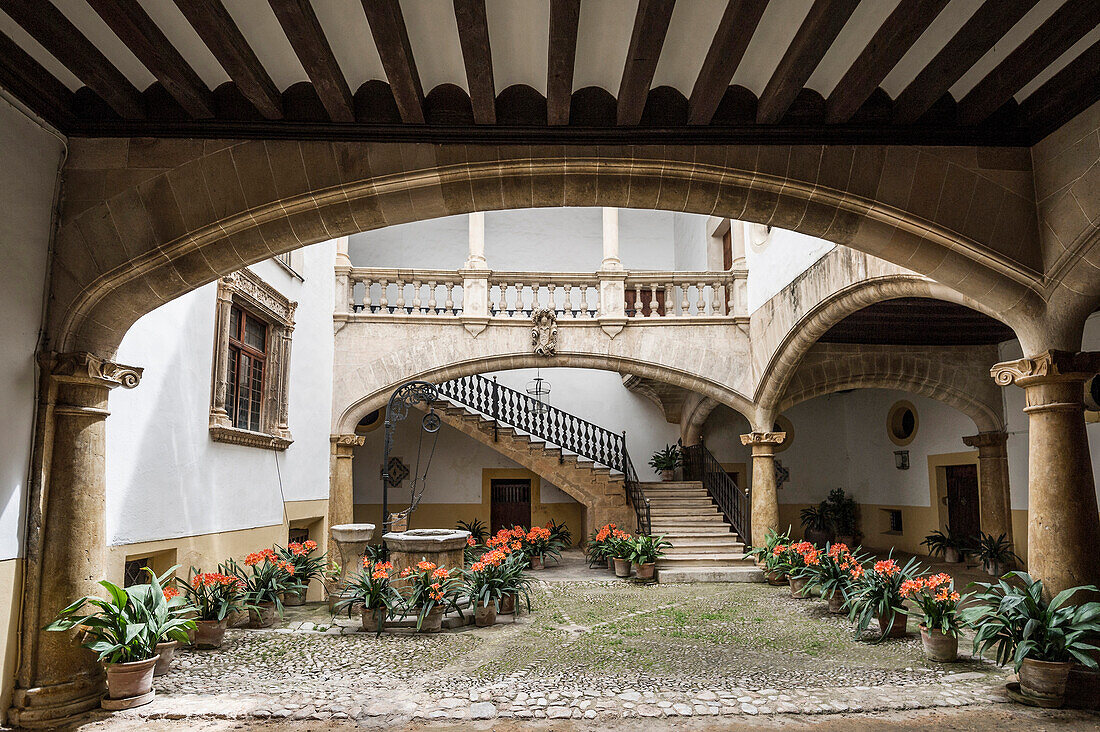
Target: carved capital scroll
(78,366)
(1049,366)
(763,438)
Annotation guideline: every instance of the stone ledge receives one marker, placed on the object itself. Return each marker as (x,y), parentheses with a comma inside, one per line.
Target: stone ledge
(235,436)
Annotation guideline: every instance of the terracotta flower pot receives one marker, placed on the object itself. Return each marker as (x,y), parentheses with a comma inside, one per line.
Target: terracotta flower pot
(535,562)
(939,646)
(777,578)
(951,555)
(433,621)
(1083,688)
(836,602)
(262,616)
(645,571)
(798,588)
(893,624)
(485,615)
(508,603)
(996,569)
(167,653)
(1044,680)
(622,567)
(374,619)
(128,680)
(294,599)
(209,633)
(668,476)
(611,563)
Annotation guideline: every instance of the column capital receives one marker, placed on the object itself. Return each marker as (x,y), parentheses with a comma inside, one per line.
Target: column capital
(763,438)
(1047,367)
(80,367)
(343,446)
(987,441)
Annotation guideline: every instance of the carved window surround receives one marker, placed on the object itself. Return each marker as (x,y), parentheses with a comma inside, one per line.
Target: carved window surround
(246,290)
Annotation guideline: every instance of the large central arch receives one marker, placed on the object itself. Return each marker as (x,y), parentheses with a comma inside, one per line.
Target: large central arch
(226,204)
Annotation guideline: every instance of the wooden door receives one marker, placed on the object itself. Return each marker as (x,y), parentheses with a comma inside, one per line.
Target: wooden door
(510,503)
(963,508)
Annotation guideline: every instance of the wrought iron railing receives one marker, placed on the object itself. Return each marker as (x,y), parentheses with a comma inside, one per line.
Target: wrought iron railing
(701,465)
(523,412)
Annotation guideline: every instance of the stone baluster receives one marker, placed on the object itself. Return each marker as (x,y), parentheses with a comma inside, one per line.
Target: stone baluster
(431,297)
(365,303)
(400,304)
(449,303)
(416,296)
(715,298)
(637,299)
(700,298)
(383,296)
(731,296)
(567,306)
(519,300)
(685,303)
(584,300)
(552,296)
(670,307)
(654,309)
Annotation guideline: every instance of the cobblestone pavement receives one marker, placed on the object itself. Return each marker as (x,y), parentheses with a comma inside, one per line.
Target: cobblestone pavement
(601,649)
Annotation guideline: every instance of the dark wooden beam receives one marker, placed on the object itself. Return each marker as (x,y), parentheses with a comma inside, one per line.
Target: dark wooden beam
(34,85)
(727,48)
(473,36)
(987,26)
(650,27)
(141,35)
(306,36)
(49,26)
(217,30)
(1068,93)
(1049,41)
(391,37)
(895,36)
(565,18)
(814,37)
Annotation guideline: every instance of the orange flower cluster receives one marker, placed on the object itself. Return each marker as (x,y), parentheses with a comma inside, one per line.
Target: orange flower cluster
(887,568)
(216,579)
(309,545)
(263,555)
(425,566)
(492,558)
(605,532)
(378,570)
(506,541)
(839,551)
(938,586)
(297,549)
(538,533)
(170,592)
(470,541)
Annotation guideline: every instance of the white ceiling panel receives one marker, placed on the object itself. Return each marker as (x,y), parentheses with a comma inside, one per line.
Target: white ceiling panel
(690,32)
(181,35)
(853,38)
(1016,35)
(95,30)
(519,36)
(259,26)
(433,35)
(931,42)
(1060,63)
(23,39)
(602,43)
(772,38)
(347,31)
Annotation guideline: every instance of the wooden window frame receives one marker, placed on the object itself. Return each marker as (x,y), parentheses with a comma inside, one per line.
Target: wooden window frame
(245,291)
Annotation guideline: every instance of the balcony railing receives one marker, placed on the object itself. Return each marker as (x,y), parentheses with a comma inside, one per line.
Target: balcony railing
(516,295)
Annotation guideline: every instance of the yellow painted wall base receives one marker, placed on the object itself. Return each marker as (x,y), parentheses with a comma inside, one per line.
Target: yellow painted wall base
(11,586)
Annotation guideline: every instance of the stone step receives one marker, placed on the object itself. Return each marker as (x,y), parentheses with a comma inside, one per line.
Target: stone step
(704,560)
(671,575)
(704,532)
(685,494)
(686,520)
(687,502)
(678,512)
(705,544)
(670,485)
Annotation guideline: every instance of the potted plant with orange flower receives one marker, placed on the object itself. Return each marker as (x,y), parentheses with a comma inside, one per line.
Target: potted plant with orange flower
(430,591)
(621,546)
(307,567)
(484,582)
(831,576)
(371,592)
(798,562)
(876,592)
(937,599)
(597,551)
(178,607)
(539,545)
(213,595)
(771,555)
(266,579)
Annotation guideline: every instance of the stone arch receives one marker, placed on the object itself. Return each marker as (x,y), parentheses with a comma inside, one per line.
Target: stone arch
(810,327)
(833,369)
(216,206)
(346,415)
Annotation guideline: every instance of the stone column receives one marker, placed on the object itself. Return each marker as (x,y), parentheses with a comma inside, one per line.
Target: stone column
(765,500)
(58,678)
(1063,527)
(476,257)
(341,498)
(996,502)
(611,240)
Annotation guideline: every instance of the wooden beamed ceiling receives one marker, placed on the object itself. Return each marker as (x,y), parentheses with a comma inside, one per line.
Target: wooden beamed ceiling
(918,321)
(856,110)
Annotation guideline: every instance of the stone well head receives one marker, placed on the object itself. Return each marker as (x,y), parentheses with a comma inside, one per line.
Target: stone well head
(442,547)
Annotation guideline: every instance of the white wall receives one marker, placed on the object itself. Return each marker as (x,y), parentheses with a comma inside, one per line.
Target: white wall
(539,239)
(165,477)
(778,261)
(28,179)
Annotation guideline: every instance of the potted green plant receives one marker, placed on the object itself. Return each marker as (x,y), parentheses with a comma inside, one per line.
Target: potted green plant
(770,554)
(947,546)
(876,593)
(665,461)
(1042,639)
(213,595)
(479,532)
(514,582)
(939,602)
(429,592)
(266,578)
(620,552)
(601,547)
(123,631)
(371,593)
(307,567)
(815,524)
(996,553)
(831,577)
(644,552)
(560,534)
(178,607)
(484,583)
(842,513)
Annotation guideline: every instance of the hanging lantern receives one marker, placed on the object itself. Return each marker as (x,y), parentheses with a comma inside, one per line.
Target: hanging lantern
(539,388)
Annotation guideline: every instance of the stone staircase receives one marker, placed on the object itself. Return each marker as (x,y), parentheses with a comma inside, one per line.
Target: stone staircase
(704,546)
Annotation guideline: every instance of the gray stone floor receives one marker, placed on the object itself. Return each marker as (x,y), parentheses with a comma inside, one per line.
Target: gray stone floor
(595,650)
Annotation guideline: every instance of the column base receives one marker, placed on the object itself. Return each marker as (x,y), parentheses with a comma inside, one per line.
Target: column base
(48,707)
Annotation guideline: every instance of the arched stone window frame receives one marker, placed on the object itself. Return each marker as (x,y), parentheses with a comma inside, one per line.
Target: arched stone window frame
(248,291)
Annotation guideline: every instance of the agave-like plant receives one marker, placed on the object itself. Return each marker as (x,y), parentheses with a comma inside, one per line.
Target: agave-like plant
(477,528)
